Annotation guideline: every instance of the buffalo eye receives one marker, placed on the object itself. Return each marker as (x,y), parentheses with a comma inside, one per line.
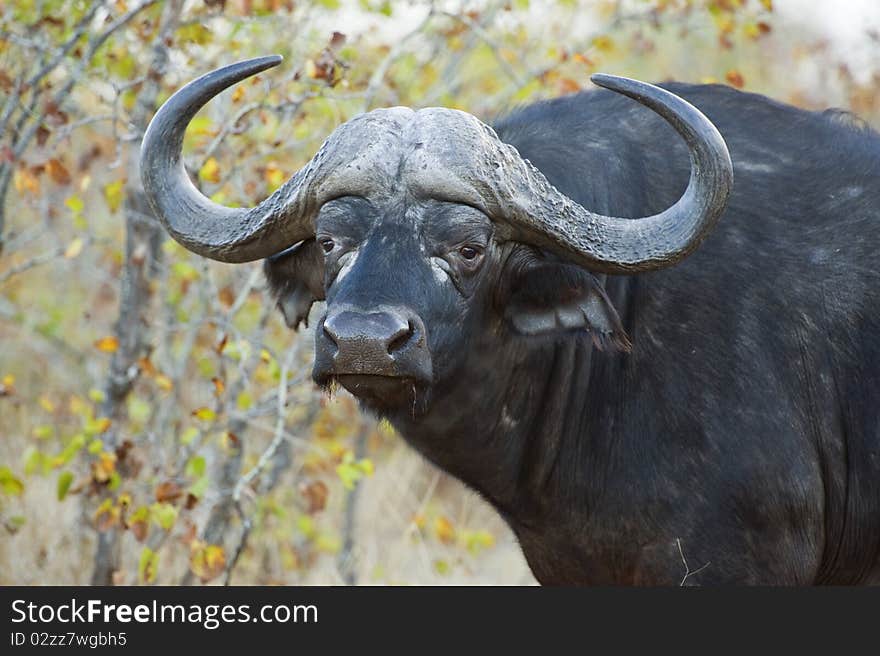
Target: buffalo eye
(327,245)
(469,252)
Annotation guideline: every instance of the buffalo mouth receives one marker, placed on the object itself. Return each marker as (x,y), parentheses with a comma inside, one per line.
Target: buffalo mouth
(384,393)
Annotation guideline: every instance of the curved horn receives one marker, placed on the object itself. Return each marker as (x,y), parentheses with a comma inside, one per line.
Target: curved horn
(222,233)
(537,212)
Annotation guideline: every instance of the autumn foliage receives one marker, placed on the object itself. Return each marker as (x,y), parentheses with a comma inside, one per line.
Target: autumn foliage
(157,420)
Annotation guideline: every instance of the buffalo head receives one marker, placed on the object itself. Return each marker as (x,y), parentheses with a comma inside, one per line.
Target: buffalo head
(425,233)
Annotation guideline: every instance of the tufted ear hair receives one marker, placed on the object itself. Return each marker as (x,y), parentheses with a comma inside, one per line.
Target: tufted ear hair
(296,280)
(545,297)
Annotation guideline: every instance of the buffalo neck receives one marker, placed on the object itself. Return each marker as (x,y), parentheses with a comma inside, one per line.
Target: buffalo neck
(518,430)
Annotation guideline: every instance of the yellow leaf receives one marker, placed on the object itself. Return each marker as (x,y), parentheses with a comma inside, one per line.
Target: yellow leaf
(219,386)
(274,176)
(75,204)
(189,435)
(735,79)
(65,479)
(214,555)
(210,170)
(148,566)
(97,426)
(74,248)
(194,33)
(348,474)
(567,85)
(107,344)
(477,540)
(103,467)
(43,432)
(25,181)
(79,407)
(164,383)
(9,483)
(328,543)
(46,404)
(106,516)
(139,523)
(113,194)
(244,400)
(205,414)
(202,125)
(8,380)
(185,271)
(207,561)
(603,43)
(164,515)
(238,94)
(444,530)
(306,526)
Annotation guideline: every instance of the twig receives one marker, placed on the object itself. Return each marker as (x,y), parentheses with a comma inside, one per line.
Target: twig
(142,253)
(38,260)
(229,126)
(264,460)
(346,559)
(393,55)
(266,456)
(95,45)
(78,30)
(494,46)
(687,569)
(28,123)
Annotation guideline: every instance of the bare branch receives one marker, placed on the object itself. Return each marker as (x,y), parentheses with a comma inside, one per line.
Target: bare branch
(78,30)
(265,459)
(37,260)
(396,52)
(687,569)
(29,122)
(494,46)
(142,252)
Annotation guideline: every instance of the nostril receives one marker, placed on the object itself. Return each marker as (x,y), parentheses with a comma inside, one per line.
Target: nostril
(400,338)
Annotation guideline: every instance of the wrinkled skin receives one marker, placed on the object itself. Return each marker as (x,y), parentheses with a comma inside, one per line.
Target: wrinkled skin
(739,441)
(479,289)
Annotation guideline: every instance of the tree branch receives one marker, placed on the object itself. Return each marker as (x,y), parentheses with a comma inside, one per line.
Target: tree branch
(142,250)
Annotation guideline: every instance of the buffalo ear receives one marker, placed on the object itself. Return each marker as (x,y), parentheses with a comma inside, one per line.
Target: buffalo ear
(553,298)
(296,280)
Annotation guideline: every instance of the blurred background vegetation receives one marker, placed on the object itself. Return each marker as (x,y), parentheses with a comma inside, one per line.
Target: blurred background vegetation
(157,421)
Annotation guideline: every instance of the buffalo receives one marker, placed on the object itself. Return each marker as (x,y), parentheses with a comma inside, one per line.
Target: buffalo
(655,375)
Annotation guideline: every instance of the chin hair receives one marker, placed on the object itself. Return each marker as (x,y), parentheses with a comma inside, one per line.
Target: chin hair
(413,405)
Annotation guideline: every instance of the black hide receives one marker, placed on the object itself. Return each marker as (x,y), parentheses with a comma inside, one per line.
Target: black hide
(738,441)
